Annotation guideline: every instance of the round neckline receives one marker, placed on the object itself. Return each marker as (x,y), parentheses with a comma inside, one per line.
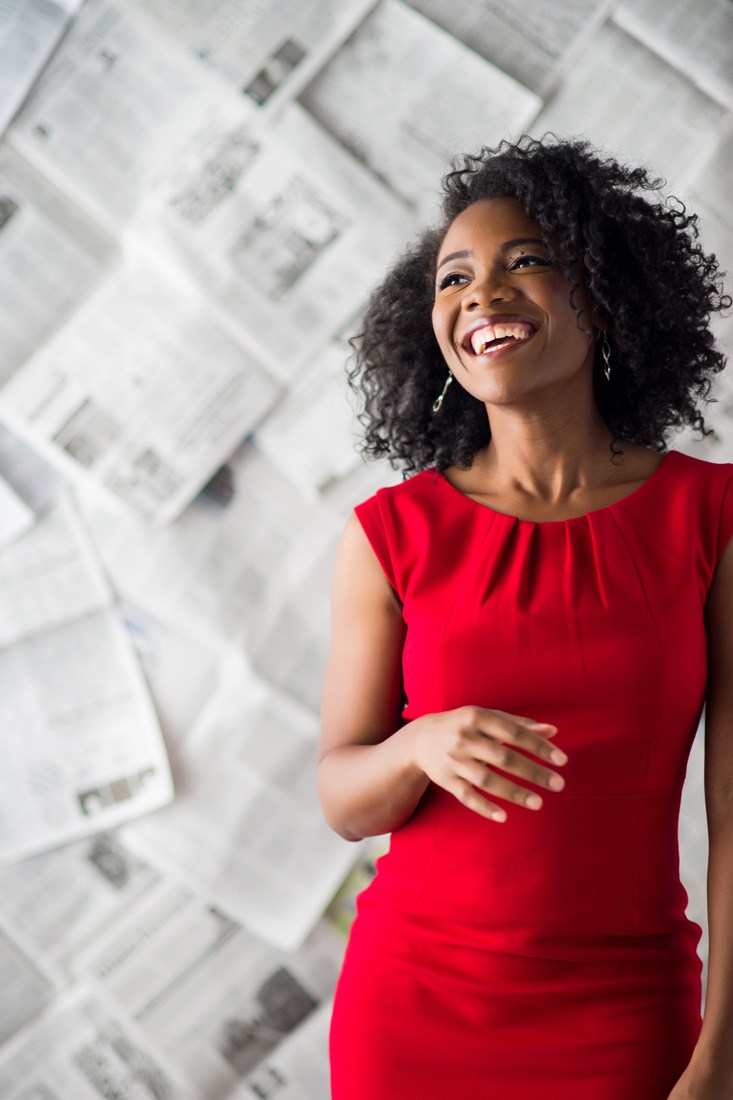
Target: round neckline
(569,519)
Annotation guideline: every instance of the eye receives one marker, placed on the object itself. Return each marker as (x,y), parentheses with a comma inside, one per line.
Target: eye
(527,260)
(450,280)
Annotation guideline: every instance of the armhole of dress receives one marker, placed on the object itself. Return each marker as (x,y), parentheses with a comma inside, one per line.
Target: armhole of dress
(369,515)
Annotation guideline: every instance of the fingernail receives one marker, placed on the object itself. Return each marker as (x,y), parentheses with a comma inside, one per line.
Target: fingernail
(556,782)
(557,756)
(533,801)
(498,815)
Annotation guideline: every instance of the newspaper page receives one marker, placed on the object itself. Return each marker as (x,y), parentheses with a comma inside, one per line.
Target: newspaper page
(141,395)
(310,434)
(30,477)
(266,50)
(695,38)
(61,900)
(535,43)
(15,515)
(206,575)
(247,828)
(298,1069)
(50,257)
(111,96)
(86,1050)
(181,671)
(288,643)
(213,997)
(29,30)
(405,97)
(83,750)
(363,481)
(49,578)
(27,986)
(282,229)
(625,99)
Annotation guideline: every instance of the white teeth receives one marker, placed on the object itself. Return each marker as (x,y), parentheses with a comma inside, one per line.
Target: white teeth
(481,339)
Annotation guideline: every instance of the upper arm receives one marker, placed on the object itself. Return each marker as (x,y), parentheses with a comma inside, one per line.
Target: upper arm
(362,690)
(719,704)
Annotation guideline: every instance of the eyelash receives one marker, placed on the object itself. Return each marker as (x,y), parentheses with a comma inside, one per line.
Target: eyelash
(514,266)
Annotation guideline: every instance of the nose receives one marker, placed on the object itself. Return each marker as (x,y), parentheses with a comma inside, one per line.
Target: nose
(489,290)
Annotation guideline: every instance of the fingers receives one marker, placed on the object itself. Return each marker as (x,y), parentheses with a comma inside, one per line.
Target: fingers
(486,781)
(469,796)
(518,747)
(525,733)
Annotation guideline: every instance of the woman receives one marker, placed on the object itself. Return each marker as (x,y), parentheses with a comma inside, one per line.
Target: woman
(524,634)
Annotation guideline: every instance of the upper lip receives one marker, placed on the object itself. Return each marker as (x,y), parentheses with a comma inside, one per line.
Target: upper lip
(494,319)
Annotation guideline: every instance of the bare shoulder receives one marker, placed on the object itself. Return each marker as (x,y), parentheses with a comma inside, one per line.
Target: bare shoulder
(358,576)
(362,688)
(634,462)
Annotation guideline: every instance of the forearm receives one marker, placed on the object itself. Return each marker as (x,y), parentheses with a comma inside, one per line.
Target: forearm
(368,790)
(714,1049)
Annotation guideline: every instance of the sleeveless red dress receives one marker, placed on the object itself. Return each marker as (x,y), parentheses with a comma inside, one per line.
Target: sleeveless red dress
(549,957)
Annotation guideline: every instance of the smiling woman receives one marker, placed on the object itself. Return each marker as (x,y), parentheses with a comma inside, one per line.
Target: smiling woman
(524,634)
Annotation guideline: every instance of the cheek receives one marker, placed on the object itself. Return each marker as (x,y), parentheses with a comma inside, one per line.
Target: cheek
(442,328)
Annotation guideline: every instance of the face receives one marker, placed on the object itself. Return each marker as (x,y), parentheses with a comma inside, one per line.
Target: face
(501,314)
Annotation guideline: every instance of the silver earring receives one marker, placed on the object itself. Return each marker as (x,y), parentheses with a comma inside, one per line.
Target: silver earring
(606,353)
(439,400)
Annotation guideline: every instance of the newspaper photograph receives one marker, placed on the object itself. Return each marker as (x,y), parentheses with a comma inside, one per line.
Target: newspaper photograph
(141,395)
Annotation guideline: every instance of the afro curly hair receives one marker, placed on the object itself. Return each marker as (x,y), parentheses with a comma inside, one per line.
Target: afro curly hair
(636,253)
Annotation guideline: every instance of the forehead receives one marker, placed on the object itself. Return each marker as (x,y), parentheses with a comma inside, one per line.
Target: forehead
(489,220)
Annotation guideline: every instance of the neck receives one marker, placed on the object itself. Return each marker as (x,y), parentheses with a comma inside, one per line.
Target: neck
(547,456)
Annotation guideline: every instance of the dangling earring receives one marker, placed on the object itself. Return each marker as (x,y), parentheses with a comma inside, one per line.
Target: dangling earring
(606,353)
(439,400)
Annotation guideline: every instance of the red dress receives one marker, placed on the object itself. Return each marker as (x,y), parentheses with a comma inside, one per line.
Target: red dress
(550,956)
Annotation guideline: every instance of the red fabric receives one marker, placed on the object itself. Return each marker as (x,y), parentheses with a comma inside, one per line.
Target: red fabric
(550,956)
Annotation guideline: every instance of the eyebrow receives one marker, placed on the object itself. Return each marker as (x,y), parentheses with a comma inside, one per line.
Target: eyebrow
(464,252)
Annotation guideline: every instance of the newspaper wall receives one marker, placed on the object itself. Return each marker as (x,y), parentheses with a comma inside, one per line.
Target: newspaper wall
(195,200)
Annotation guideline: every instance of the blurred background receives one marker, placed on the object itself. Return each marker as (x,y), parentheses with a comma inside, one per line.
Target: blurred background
(196,197)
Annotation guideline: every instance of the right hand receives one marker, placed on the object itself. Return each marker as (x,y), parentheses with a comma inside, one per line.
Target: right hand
(459,750)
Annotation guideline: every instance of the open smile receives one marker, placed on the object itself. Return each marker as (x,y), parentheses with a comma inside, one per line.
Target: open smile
(488,338)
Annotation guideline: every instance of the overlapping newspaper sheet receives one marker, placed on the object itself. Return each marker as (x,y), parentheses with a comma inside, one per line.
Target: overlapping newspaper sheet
(28,984)
(114,93)
(213,998)
(694,38)
(652,116)
(288,639)
(535,43)
(246,828)
(267,51)
(391,95)
(311,434)
(160,243)
(29,30)
(15,515)
(86,1049)
(33,480)
(60,901)
(82,747)
(51,255)
(141,394)
(282,229)
(207,574)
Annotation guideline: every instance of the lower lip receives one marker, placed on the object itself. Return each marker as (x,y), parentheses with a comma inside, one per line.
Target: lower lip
(504,348)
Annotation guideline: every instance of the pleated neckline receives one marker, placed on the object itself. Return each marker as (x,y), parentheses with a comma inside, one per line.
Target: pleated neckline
(648,483)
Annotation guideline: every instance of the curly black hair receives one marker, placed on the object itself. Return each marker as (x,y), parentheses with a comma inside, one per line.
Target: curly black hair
(640,260)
